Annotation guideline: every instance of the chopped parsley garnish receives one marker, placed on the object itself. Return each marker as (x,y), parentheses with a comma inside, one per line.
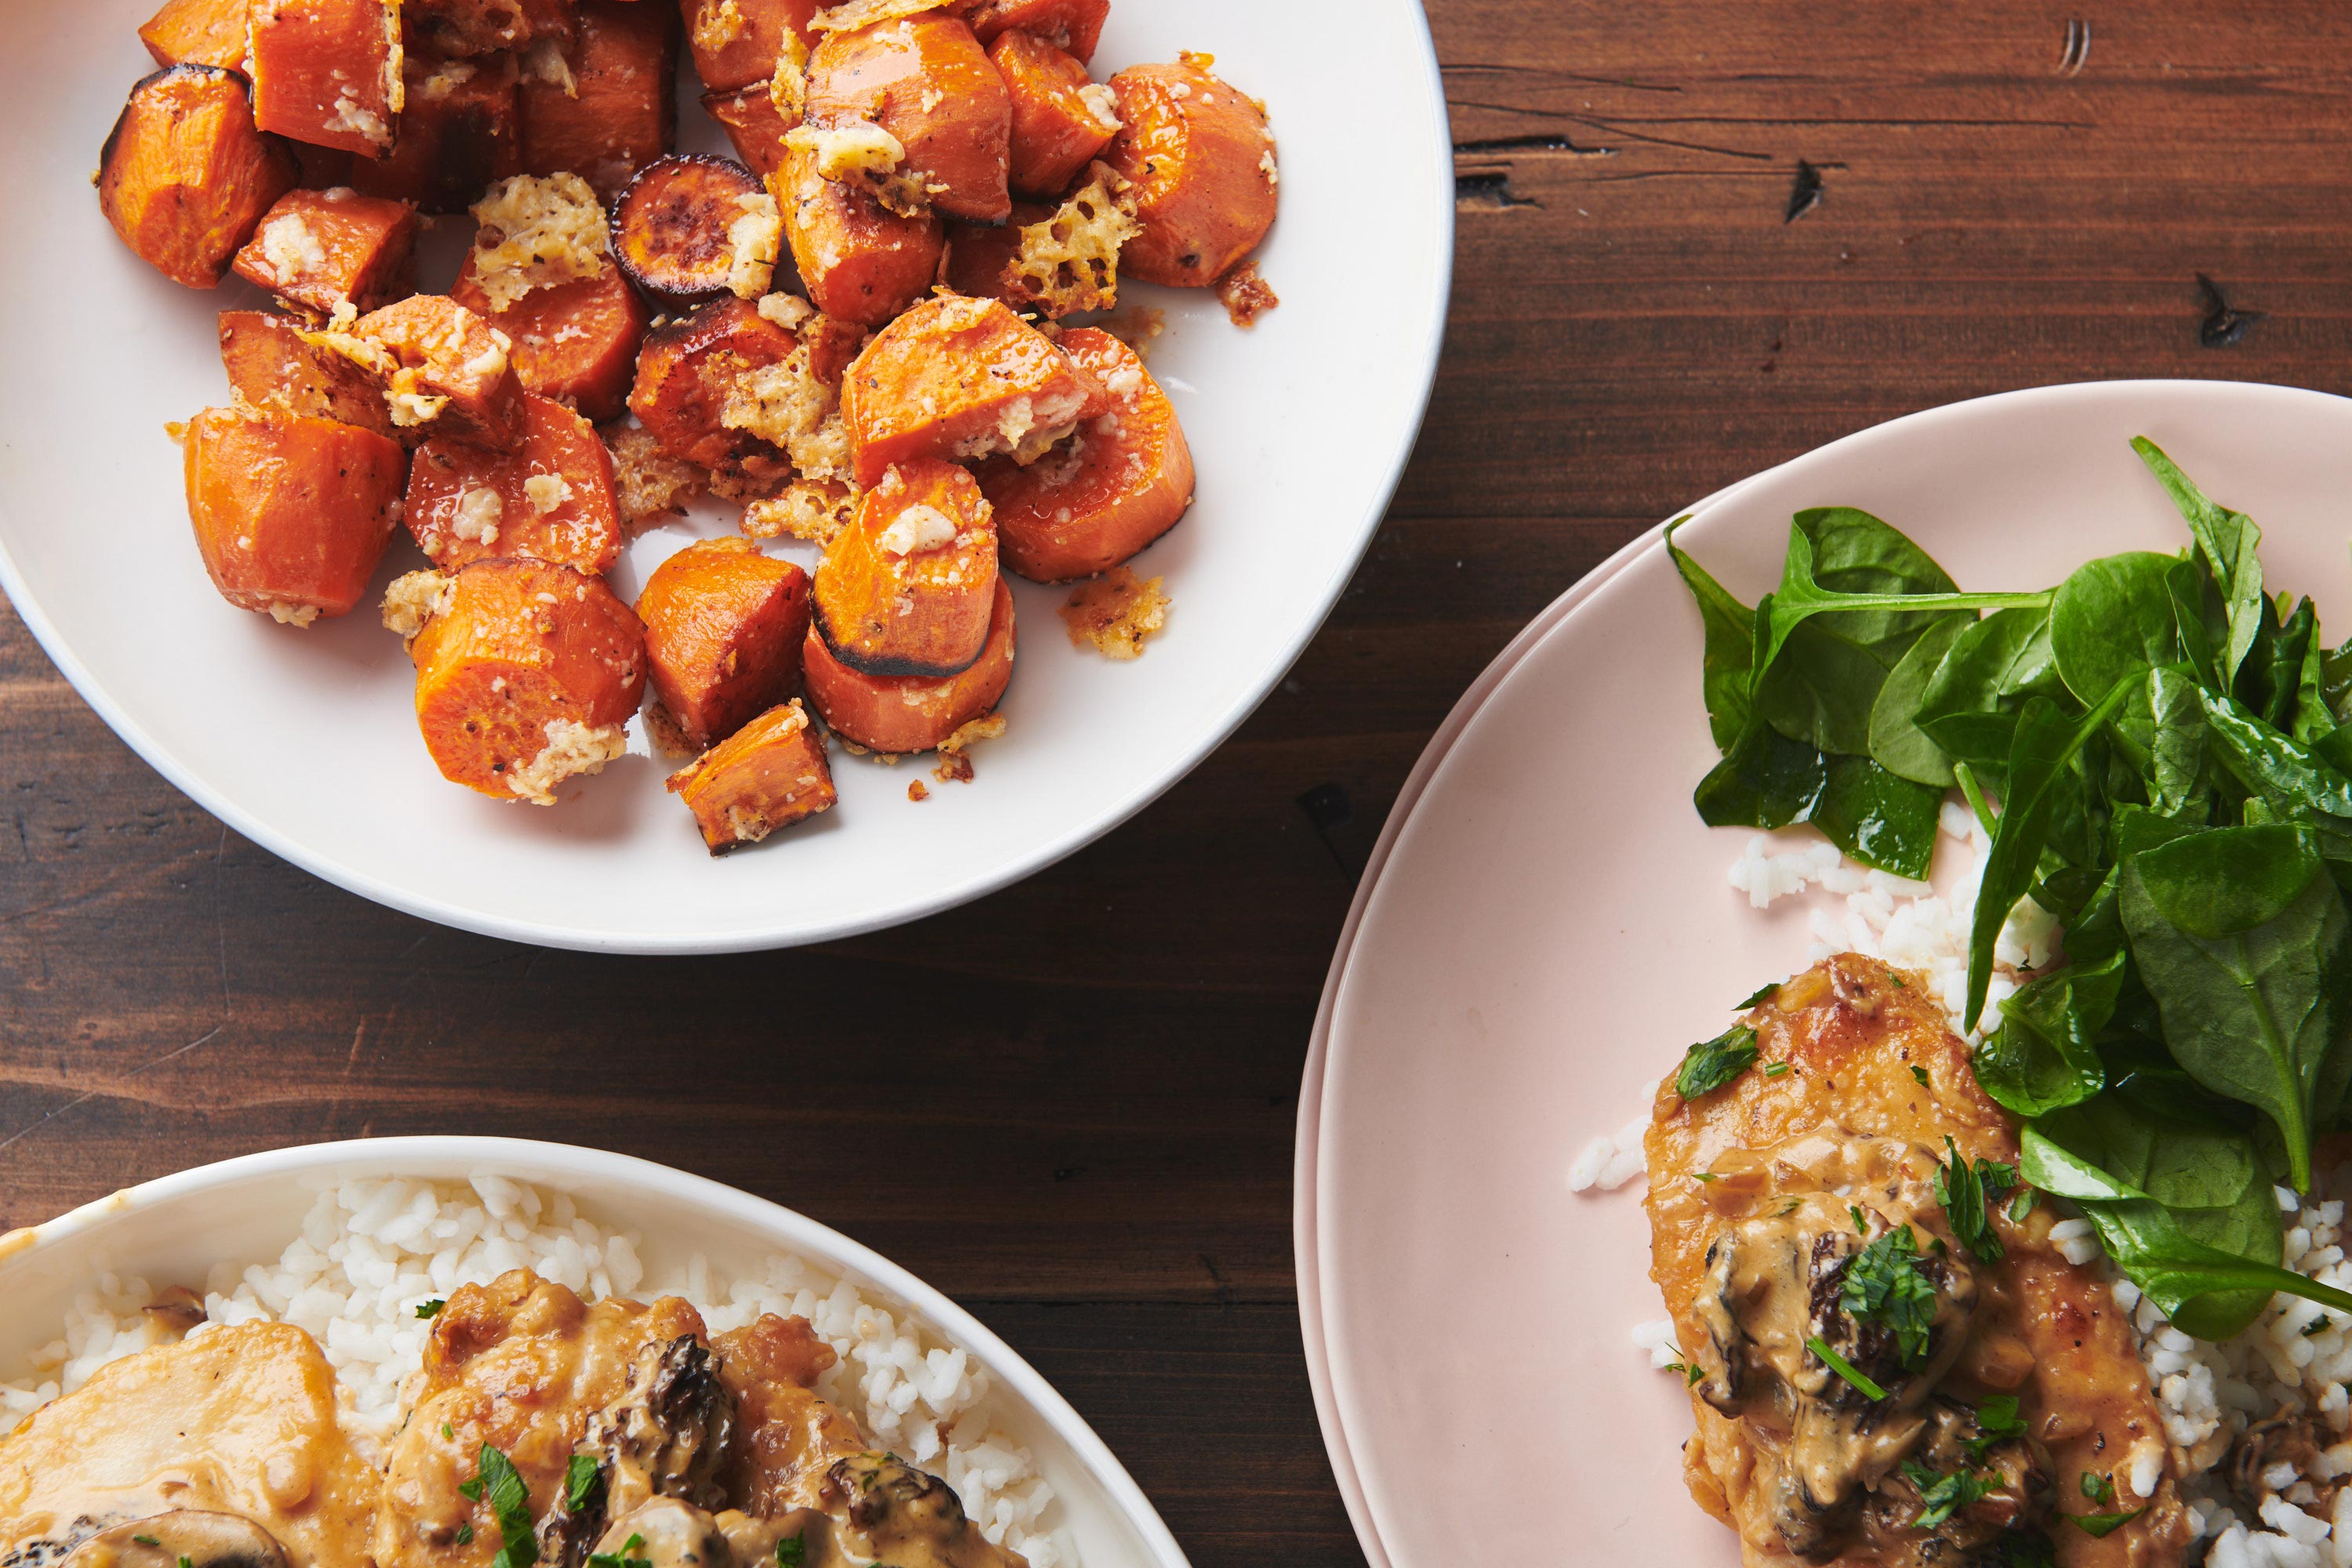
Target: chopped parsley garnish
(1792,1206)
(146,1540)
(1861,1225)
(2101,1490)
(1844,1368)
(1691,1374)
(430,1309)
(791,1553)
(2313,1329)
(1710,1064)
(1941,1497)
(626,1557)
(1703,1176)
(495,1476)
(1897,981)
(1997,1420)
(465,1534)
(1776,1069)
(1884,1285)
(2020,1206)
(185,1562)
(1920,1076)
(582,1479)
(1965,1189)
(1759,995)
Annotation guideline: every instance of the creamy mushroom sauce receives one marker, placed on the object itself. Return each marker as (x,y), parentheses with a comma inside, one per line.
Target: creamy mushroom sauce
(223,1451)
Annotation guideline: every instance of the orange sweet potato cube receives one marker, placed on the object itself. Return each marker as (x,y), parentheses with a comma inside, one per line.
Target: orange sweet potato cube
(724,623)
(202,32)
(769,775)
(607,106)
(550,499)
(291,513)
(328,71)
(325,248)
(272,362)
(460,131)
(444,367)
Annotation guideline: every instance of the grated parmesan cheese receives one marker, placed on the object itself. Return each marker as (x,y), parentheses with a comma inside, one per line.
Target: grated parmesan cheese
(918,529)
(291,249)
(411,600)
(292,614)
(546,492)
(476,519)
(572,750)
(754,240)
(538,232)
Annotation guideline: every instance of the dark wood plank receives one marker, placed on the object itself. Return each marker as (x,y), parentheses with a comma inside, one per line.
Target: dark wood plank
(1084,1086)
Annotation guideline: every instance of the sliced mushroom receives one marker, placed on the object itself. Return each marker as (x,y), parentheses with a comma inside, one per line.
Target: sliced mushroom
(2294,1439)
(664,1435)
(908,1518)
(176,1308)
(184,1535)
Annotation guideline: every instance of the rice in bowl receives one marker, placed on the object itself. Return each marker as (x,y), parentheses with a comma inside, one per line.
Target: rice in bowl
(371,1252)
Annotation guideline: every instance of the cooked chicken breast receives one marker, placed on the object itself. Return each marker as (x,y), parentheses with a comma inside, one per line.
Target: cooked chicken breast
(159,1450)
(1795,1210)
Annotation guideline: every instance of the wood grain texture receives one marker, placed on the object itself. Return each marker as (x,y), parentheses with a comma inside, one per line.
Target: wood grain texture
(1076,1111)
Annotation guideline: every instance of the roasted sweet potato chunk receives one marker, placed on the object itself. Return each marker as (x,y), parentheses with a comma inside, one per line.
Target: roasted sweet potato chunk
(184,177)
(978,254)
(328,71)
(907,588)
(271,363)
(908,712)
(1074,27)
(859,261)
(550,499)
(769,774)
(461,27)
(575,341)
(526,672)
(680,394)
(736,43)
(446,368)
(291,513)
(959,378)
(606,106)
(926,82)
(459,131)
(1200,160)
(724,625)
(753,123)
(1062,118)
(196,32)
(326,249)
(1120,483)
(691,228)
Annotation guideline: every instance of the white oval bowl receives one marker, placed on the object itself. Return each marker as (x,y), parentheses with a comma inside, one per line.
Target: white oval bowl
(306,742)
(173,1229)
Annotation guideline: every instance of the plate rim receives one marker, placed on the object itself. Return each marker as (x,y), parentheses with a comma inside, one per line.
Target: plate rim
(1375,1505)
(1085,828)
(459,1153)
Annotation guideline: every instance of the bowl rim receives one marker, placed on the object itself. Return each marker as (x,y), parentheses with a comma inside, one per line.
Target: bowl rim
(453,1156)
(1083,827)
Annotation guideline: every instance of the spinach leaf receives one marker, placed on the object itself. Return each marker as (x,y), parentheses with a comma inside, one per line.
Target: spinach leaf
(1730,628)
(1898,743)
(2241,937)
(1765,781)
(2191,590)
(2273,765)
(2281,678)
(1969,708)
(1881,618)
(2045,1055)
(2113,619)
(2314,716)
(2172,1268)
(1877,818)
(1822,688)
(2226,544)
(2039,759)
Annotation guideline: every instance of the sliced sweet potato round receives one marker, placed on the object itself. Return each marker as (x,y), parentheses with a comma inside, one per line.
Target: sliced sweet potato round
(692,227)
(1062,118)
(1120,483)
(527,673)
(909,713)
(574,341)
(184,178)
(680,396)
(551,497)
(860,261)
(1201,161)
(906,589)
(291,513)
(960,378)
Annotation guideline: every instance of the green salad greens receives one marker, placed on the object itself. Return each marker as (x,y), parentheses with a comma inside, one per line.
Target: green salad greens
(2160,748)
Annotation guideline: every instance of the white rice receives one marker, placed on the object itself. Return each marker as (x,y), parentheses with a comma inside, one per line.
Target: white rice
(2297,1358)
(370,1252)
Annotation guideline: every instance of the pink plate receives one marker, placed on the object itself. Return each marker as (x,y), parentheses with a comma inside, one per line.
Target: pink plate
(1552,925)
(1310,1094)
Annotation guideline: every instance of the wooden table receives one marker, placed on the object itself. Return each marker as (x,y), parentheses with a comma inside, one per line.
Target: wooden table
(1696,238)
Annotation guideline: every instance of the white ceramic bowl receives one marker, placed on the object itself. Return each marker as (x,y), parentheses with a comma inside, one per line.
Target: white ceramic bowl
(173,1229)
(304,741)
